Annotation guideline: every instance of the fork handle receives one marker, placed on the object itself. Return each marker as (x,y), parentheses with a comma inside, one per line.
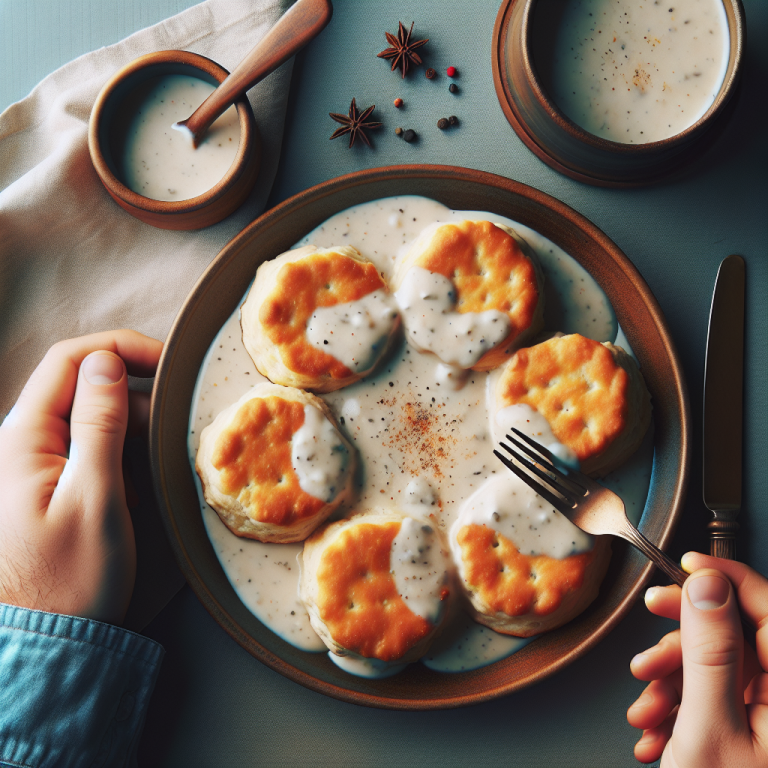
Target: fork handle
(674,571)
(653,553)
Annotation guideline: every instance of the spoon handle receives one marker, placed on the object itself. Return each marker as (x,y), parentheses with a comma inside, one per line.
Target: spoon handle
(300,24)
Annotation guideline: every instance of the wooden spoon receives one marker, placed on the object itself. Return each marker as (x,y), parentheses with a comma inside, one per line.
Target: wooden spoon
(300,24)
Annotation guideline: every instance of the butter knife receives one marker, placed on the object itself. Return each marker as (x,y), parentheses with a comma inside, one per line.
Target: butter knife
(723,381)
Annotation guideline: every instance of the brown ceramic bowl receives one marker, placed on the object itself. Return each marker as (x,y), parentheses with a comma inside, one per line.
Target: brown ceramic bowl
(103,142)
(571,150)
(220,290)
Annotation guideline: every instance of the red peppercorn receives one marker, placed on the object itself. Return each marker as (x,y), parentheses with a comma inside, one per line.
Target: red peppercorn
(451,72)
(398,103)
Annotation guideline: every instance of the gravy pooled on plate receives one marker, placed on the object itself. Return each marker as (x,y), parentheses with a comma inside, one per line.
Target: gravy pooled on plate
(424,440)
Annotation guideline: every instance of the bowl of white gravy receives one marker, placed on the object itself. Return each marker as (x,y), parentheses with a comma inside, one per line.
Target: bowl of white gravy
(153,170)
(618,92)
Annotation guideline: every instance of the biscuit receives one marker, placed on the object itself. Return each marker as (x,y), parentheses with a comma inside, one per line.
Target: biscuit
(274,465)
(524,567)
(470,292)
(376,586)
(318,319)
(592,396)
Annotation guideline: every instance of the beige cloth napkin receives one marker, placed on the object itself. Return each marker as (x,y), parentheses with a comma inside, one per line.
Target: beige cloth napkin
(71,261)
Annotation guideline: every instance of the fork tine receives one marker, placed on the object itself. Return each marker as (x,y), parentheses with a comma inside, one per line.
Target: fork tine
(549,466)
(532,468)
(536,445)
(558,503)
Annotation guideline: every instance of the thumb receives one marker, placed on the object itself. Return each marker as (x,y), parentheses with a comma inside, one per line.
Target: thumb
(93,480)
(713,650)
(99,418)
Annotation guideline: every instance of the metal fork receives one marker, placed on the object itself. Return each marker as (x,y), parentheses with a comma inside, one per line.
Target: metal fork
(587,504)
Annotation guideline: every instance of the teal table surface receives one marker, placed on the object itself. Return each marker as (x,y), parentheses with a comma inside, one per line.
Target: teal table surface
(217,706)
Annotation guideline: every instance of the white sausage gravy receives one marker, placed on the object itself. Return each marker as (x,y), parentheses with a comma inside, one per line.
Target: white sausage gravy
(161,163)
(632,71)
(425,442)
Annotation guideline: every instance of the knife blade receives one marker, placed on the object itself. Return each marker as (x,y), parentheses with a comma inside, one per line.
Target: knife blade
(723,382)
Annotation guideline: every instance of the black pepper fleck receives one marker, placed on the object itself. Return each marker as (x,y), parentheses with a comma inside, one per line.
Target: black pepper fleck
(453,88)
(442,123)
(409,135)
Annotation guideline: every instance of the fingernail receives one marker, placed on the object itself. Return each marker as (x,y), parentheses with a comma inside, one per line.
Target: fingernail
(708,592)
(651,594)
(685,561)
(640,658)
(101,368)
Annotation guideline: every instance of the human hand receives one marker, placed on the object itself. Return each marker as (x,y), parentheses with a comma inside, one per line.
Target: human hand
(66,538)
(718,681)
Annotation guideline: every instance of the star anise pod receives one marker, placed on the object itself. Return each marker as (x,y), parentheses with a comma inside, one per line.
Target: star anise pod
(403,49)
(354,123)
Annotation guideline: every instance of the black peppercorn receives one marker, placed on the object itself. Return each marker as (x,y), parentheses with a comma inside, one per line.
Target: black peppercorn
(453,120)
(442,123)
(453,88)
(409,135)
(430,73)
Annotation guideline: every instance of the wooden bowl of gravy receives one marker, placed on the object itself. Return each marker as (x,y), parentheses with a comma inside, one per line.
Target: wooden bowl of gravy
(618,93)
(152,170)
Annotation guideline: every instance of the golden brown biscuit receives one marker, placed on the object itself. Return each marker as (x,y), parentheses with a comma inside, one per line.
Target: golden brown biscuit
(592,395)
(375,586)
(490,268)
(294,289)
(524,595)
(257,477)
(525,568)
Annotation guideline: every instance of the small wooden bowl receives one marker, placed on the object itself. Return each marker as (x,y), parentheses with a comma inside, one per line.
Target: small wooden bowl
(196,212)
(567,147)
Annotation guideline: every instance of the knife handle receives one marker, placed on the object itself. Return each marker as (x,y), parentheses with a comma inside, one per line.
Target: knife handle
(722,538)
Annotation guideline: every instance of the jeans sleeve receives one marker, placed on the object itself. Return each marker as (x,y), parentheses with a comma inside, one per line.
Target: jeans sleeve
(73,692)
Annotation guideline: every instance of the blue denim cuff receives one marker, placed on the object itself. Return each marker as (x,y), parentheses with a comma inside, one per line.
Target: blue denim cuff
(73,692)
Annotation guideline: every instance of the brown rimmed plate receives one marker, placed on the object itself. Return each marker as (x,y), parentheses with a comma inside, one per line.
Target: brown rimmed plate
(218,293)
